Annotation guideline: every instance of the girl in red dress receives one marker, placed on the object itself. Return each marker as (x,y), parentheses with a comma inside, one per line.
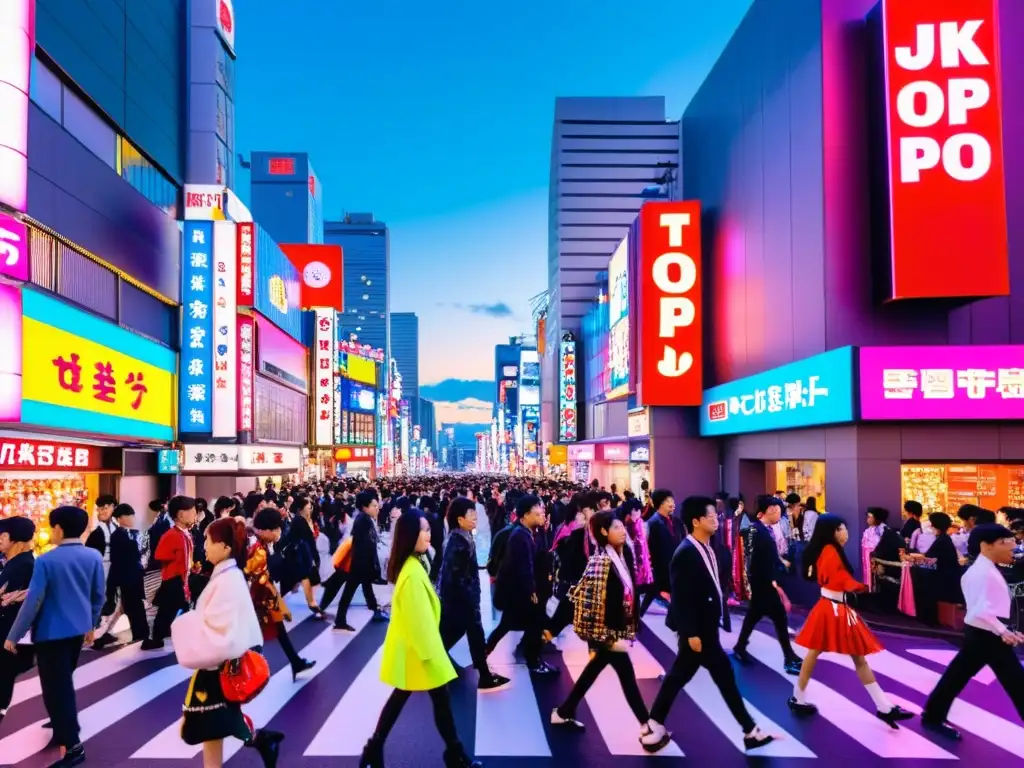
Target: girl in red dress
(833,626)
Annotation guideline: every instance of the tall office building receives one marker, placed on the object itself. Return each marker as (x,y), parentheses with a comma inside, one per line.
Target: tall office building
(367,277)
(405,348)
(608,155)
(428,422)
(286,197)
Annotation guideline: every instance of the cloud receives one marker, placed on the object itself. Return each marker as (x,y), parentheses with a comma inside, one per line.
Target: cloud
(468,411)
(458,390)
(499,309)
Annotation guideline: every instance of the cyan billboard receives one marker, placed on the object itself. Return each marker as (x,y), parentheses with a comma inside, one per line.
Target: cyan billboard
(277,286)
(807,393)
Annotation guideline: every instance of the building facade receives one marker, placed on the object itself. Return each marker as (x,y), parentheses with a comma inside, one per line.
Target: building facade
(367,276)
(286,196)
(405,349)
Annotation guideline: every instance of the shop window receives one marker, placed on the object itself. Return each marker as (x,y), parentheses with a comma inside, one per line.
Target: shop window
(945,487)
(804,478)
(45,89)
(82,122)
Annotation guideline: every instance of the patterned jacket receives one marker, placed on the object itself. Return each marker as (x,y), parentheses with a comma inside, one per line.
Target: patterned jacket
(270,608)
(603,610)
(458,582)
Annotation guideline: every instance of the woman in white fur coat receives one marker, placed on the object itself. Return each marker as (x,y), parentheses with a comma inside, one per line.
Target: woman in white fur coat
(222,627)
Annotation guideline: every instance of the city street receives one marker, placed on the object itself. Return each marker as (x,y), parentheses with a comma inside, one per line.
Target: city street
(130,702)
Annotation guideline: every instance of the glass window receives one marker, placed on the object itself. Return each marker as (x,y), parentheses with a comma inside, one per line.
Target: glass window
(45,89)
(82,122)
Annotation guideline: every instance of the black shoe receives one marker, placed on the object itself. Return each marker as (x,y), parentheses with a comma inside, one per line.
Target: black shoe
(893,716)
(344,627)
(793,665)
(493,683)
(457,758)
(268,745)
(152,645)
(73,756)
(380,616)
(943,729)
(373,754)
(801,709)
(103,642)
(317,612)
(542,668)
(757,739)
(304,664)
(742,655)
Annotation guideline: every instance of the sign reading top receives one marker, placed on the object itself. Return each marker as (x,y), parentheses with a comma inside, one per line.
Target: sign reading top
(807,393)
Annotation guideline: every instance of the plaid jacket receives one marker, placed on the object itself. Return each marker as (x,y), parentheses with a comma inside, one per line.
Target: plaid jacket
(589,597)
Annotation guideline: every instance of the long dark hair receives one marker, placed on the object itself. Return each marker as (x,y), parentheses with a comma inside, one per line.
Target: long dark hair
(405,532)
(824,535)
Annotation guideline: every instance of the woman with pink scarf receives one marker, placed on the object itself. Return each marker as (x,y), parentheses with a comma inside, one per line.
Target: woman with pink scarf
(631,515)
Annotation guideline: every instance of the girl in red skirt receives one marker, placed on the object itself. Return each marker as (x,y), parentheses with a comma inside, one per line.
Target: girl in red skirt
(833,626)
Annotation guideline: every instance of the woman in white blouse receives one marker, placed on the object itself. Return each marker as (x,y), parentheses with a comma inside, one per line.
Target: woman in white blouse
(222,627)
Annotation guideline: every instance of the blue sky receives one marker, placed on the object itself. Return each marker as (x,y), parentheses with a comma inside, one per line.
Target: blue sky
(437,118)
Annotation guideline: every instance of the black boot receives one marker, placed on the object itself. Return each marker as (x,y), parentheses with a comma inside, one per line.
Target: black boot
(457,758)
(268,745)
(373,754)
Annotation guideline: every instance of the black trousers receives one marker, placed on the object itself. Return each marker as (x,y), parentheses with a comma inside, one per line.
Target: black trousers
(133,600)
(650,593)
(170,600)
(443,718)
(332,587)
(452,632)
(561,618)
(980,648)
(12,665)
(111,602)
(532,633)
(712,657)
(57,660)
(349,592)
(286,645)
(620,662)
(766,602)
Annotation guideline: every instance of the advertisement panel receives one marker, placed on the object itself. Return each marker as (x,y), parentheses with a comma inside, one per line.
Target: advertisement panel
(266,459)
(17,31)
(670,317)
(557,454)
(358,398)
(10,353)
(567,428)
(225,315)
(277,285)
(614,452)
(122,386)
(14,256)
(581,452)
(323,377)
(942,383)
(363,350)
(529,395)
(246,360)
(638,423)
(196,380)
(359,368)
(19,454)
(246,263)
(945,149)
(280,356)
(807,393)
(320,272)
(618,320)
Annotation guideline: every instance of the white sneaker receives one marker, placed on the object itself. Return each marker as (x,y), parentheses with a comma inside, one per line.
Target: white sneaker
(656,737)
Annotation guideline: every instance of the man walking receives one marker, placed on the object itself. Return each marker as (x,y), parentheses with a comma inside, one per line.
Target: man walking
(364,570)
(16,534)
(63,605)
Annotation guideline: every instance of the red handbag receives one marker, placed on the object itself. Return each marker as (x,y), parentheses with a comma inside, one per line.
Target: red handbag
(243,679)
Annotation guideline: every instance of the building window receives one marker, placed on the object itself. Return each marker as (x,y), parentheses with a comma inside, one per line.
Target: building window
(45,89)
(82,122)
(147,178)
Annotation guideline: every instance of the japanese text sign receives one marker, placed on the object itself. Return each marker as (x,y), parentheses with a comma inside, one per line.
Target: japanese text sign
(17,33)
(273,458)
(10,353)
(246,263)
(82,371)
(671,327)
(169,462)
(567,392)
(945,147)
(225,332)
(30,455)
(246,362)
(195,397)
(13,248)
(323,377)
(959,383)
(807,393)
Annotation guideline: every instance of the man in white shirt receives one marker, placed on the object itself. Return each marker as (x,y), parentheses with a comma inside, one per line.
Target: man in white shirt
(987,639)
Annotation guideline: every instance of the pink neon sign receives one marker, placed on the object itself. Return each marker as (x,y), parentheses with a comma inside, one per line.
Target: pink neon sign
(17,44)
(10,353)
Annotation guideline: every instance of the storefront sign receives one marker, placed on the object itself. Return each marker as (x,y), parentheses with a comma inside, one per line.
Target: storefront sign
(359,369)
(671,324)
(640,454)
(204,202)
(639,424)
(226,23)
(955,383)
(618,321)
(246,358)
(196,381)
(567,391)
(323,377)
(614,452)
(269,458)
(358,398)
(13,248)
(807,393)
(353,454)
(10,353)
(581,452)
(280,356)
(225,315)
(558,454)
(363,350)
(85,374)
(944,95)
(22,455)
(246,263)
(276,285)
(209,458)
(17,33)
(168,462)
(320,271)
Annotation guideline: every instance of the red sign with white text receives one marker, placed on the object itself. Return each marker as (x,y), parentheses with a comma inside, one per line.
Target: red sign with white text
(246,247)
(947,198)
(30,455)
(670,329)
(246,361)
(320,267)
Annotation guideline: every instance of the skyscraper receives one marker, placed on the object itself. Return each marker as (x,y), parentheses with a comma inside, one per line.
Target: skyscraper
(405,348)
(366,245)
(286,197)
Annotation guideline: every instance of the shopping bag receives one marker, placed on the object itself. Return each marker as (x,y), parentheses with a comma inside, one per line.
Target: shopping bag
(343,555)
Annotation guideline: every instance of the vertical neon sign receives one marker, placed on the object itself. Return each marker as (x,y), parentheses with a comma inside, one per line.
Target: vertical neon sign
(17,44)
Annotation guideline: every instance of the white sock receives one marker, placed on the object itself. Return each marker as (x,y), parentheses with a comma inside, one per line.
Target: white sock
(882,703)
(799,694)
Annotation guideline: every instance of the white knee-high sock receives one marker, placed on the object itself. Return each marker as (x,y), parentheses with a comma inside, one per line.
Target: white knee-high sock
(878,696)
(799,693)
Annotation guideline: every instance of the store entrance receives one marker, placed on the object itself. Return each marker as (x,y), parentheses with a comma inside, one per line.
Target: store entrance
(804,478)
(945,487)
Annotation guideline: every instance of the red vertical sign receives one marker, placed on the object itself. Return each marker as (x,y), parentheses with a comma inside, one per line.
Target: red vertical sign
(947,198)
(246,361)
(671,324)
(246,263)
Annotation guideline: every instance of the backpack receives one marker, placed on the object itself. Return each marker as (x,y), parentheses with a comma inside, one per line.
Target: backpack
(498,549)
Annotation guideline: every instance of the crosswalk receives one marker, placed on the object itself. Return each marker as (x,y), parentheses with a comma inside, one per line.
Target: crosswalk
(130,704)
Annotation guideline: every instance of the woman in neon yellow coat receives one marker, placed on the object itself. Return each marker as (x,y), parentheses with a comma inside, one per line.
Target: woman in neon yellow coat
(414,655)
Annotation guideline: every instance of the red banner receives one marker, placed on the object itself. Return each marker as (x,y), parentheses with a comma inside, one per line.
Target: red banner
(246,263)
(47,455)
(946,179)
(320,268)
(671,325)
(246,361)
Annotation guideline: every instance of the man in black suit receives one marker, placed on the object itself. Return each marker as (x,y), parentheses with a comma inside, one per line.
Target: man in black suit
(763,565)
(365,568)
(698,605)
(663,536)
(99,539)
(127,575)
